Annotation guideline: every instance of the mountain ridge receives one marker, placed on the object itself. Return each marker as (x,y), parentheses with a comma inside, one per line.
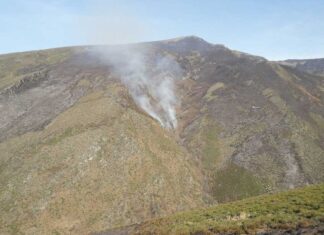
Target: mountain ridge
(313,66)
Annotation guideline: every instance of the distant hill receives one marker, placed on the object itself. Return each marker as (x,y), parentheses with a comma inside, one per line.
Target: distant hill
(83,147)
(314,66)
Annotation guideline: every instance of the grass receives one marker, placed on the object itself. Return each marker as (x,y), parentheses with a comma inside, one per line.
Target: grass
(234,183)
(211,152)
(299,208)
(230,182)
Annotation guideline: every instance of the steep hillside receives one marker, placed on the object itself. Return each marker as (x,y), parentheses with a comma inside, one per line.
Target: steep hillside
(298,211)
(80,151)
(255,126)
(84,157)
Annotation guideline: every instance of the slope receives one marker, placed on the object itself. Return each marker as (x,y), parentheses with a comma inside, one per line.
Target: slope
(296,211)
(78,155)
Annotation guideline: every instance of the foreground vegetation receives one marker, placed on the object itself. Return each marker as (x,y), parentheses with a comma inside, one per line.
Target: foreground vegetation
(291,210)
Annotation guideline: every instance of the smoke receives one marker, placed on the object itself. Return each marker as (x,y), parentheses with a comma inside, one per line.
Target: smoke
(150,78)
(108,23)
(148,73)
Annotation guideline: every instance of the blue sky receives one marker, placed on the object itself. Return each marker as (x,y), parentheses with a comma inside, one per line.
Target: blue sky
(275,29)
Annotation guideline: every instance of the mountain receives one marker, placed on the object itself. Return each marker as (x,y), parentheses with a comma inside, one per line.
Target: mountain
(315,66)
(88,139)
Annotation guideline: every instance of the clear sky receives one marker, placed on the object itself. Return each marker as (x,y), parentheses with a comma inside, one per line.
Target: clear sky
(275,29)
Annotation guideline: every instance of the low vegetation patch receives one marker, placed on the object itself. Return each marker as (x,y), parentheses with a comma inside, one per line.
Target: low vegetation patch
(291,210)
(234,183)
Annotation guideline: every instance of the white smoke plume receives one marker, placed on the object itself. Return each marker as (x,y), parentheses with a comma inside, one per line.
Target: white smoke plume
(148,74)
(150,78)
